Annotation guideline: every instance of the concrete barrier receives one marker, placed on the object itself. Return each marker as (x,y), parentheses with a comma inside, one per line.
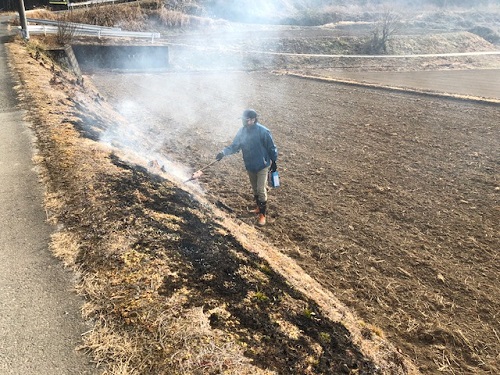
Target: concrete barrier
(92,57)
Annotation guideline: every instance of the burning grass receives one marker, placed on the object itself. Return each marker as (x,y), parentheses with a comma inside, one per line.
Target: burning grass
(171,286)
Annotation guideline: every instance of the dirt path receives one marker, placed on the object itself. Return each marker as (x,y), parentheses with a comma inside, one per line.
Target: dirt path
(388,200)
(40,321)
(470,83)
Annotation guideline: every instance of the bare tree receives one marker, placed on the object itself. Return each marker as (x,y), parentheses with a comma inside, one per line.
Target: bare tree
(66,30)
(385,28)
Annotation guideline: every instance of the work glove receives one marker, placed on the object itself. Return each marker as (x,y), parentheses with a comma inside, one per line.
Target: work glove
(219,156)
(274,167)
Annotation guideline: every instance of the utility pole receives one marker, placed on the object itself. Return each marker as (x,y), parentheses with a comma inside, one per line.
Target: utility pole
(22,17)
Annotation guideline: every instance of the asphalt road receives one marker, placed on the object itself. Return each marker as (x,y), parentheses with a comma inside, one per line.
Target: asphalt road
(40,320)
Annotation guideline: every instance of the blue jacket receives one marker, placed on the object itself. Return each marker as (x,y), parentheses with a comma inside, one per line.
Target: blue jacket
(256,143)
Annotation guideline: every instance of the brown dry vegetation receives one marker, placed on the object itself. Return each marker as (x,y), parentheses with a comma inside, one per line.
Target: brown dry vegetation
(176,285)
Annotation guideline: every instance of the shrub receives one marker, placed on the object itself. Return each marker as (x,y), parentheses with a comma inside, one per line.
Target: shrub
(66,30)
(385,28)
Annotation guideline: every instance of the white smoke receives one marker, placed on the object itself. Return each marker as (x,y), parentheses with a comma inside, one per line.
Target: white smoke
(206,77)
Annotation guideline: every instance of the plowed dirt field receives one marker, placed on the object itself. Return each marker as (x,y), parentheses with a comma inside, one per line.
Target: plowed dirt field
(389,200)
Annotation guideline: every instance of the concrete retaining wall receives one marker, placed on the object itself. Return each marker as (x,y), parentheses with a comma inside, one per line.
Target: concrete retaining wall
(92,57)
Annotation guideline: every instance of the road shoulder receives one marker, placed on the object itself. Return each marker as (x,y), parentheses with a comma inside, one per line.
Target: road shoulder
(40,319)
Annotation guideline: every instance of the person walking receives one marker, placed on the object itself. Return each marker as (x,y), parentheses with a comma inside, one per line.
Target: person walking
(259,155)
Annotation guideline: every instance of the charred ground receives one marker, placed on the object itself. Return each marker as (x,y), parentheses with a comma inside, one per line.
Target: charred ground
(389,200)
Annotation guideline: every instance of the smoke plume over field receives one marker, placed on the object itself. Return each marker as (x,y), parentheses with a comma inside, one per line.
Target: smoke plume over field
(159,107)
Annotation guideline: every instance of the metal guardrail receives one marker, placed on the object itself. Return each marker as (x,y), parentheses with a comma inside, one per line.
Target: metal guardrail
(53,27)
